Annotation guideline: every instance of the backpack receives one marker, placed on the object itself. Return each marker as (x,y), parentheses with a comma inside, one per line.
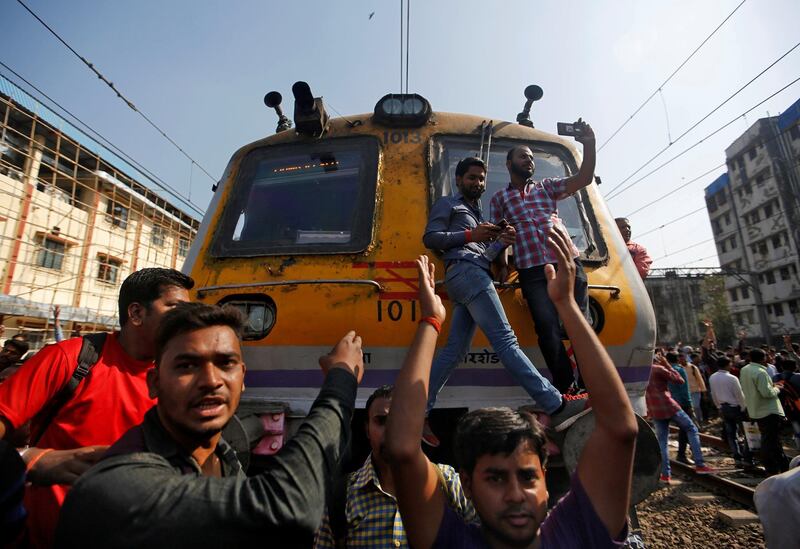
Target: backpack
(790,398)
(91,348)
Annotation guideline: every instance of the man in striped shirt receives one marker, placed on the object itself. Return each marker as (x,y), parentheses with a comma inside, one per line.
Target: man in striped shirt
(532,208)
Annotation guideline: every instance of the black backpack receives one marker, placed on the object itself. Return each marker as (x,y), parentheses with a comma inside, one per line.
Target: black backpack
(91,348)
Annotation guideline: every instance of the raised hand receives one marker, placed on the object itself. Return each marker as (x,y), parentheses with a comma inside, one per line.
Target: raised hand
(430,304)
(561,281)
(485,232)
(587,135)
(347,354)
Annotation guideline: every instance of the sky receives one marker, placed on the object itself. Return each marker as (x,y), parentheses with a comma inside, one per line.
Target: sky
(199,69)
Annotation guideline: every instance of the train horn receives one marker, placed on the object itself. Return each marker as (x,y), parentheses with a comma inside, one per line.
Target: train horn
(273,101)
(532,93)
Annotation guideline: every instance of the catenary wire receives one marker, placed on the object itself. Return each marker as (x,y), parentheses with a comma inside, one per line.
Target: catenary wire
(646,101)
(119,94)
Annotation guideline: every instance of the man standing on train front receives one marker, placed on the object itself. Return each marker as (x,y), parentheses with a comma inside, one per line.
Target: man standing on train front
(532,208)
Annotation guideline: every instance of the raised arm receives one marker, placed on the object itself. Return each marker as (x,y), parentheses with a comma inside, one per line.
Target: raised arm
(585,174)
(606,463)
(420,501)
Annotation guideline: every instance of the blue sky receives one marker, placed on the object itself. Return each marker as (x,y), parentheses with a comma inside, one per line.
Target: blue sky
(200,69)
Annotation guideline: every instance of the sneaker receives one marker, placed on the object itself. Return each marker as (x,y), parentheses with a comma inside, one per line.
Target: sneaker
(428,436)
(704,470)
(575,407)
(665,479)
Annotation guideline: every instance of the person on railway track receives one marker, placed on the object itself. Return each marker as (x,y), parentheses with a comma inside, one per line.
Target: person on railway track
(726,392)
(173,481)
(532,208)
(764,407)
(681,393)
(662,408)
(469,244)
(501,453)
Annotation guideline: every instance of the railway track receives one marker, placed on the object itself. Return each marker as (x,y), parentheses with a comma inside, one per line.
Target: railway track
(728,488)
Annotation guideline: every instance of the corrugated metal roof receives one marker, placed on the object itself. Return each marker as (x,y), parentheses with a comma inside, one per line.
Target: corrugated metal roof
(719,183)
(789,116)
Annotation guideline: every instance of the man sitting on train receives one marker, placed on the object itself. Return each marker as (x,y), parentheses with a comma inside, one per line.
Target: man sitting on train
(172,481)
(532,208)
(468,243)
(501,453)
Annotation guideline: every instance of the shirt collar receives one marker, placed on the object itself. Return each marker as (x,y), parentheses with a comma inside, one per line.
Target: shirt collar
(159,441)
(366,475)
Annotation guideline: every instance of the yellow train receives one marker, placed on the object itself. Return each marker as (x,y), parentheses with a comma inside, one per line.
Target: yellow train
(313,231)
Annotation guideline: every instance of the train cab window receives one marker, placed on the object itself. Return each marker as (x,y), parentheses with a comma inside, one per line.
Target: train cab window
(302,199)
(551,160)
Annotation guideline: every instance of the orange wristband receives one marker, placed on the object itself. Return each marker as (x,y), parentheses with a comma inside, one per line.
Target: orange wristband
(433,322)
(468,235)
(39,456)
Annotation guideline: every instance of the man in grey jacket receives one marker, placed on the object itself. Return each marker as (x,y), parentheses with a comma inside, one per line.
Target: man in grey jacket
(173,481)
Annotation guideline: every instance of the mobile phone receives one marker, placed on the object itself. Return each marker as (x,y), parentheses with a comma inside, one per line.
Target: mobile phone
(572,129)
(503,224)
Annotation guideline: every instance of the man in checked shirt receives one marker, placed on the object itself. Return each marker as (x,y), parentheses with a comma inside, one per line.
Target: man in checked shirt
(532,208)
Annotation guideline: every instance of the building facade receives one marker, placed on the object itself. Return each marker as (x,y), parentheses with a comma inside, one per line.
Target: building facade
(754,210)
(678,299)
(73,224)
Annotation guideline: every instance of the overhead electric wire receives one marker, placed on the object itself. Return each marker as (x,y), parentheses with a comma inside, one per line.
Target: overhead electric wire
(700,209)
(147,174)
(742,152)
(111,85)
(658,89)
(408,43)
(651,172)
(703,119)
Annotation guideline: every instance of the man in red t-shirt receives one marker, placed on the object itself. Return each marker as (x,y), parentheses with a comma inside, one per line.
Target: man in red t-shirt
(109,401)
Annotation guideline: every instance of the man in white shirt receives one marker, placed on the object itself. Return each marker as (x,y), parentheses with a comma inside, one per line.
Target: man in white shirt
(726,392)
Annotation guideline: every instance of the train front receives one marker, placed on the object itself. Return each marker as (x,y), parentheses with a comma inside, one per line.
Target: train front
(313,231)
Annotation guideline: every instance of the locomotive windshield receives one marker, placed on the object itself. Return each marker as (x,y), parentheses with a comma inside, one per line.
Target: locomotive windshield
(302,199)
(551,161)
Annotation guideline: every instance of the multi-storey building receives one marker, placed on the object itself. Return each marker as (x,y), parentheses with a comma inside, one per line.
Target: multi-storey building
(73,223)
(755,217)
(678,298)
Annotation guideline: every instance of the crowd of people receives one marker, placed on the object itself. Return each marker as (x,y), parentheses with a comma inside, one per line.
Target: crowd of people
(115,440)
(751,389)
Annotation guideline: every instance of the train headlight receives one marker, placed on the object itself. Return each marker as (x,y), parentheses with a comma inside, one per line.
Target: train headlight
(259,312)
(406,110)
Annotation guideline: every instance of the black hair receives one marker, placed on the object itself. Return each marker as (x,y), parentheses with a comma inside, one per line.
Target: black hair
(466,163)
(384,391)
(188,317)
(789,365)
(147,285)
(19,344)
(723,362)
(512,150)
(625,219)
(672,357)
(496,431)
(757,355)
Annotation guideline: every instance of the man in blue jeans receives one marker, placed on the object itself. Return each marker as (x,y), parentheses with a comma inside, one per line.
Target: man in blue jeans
(468,245)
(662,408)
(532,207)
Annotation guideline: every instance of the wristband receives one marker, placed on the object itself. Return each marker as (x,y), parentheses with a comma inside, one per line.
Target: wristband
(468,235)
(33,462)
(433,322)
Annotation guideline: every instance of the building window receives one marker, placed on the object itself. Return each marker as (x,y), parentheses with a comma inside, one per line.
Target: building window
(777,241)
(750,318)
(793,307)
(777,309)
(762,247)
(745,292)
(722,198)
(733,243)
(51,254)
(793,267)
(794,131)
(753,152)
(722,248)
(768,211)
(117,214)
(785,273)
(715,226)
(183,247)
(108,268)
(770,276)
(711,204)
(157,236)
(748,189)
(734,295)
